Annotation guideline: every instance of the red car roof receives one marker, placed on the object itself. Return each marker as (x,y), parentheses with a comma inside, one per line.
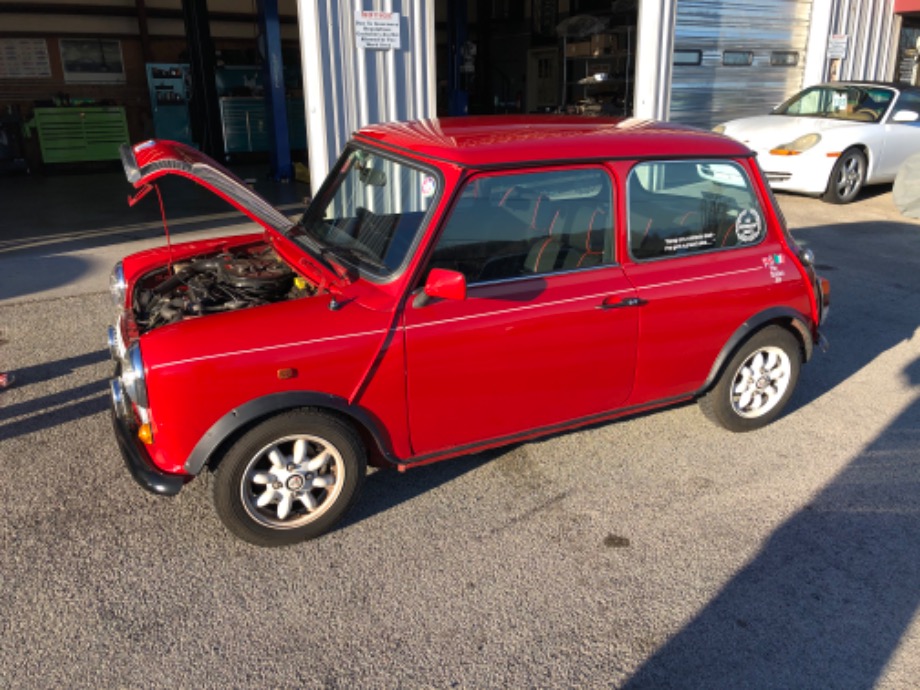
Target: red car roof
(484,141)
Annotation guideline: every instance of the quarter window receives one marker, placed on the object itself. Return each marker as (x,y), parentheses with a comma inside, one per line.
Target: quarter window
(678,208)
(510,226)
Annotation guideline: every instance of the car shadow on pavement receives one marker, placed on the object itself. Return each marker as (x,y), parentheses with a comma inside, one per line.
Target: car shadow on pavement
(829,597)
(867,315)
(47,411)
(387,488)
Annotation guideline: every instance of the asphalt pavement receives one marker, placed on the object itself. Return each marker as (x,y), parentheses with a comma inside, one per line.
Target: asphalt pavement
(654,552)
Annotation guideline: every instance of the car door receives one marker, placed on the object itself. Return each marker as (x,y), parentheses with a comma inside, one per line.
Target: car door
(901,140)
(703,261)
(547,331)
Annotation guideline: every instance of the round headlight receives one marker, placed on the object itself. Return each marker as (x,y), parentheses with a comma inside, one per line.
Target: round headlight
(132,375)
(117,286)
(119,400)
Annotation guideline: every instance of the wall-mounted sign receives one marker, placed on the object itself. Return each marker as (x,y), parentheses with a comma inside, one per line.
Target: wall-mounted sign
(24,58)
(837,47)
(377,30)
(92,61)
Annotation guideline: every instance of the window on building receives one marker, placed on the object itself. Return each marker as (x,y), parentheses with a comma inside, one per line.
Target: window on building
(784,58)
(737,58)
(688,57)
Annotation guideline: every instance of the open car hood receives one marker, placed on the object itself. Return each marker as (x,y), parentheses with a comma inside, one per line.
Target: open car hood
(147,161)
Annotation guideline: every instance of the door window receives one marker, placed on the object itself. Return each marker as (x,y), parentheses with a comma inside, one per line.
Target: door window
(687,207)
(511,226)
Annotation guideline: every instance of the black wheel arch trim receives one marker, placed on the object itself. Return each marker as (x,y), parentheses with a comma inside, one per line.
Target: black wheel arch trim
(751,326)
(268,405)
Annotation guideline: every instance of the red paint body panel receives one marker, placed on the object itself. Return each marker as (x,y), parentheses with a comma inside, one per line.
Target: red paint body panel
(511,360)
(518,355)
(201,369)
(511,139)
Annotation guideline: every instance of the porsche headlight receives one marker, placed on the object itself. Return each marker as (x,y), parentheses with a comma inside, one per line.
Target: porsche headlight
(794,148)
(117,286)
(719,129)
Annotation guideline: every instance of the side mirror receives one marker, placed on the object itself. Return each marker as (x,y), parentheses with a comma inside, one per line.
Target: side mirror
(443,284)
(905,116)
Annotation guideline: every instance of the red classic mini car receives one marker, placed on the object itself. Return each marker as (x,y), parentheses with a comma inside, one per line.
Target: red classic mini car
(454,285)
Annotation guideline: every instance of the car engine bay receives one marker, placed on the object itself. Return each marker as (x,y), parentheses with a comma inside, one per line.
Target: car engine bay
(244,277)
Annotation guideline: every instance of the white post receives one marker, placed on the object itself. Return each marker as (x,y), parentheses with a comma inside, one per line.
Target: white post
(347,86)
(819,31)
(654,55)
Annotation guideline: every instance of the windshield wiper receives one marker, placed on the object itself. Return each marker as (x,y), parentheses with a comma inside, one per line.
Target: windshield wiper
(354,255)
(298,233)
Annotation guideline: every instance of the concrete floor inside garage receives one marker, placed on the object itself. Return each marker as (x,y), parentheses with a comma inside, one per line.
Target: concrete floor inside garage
(60,233)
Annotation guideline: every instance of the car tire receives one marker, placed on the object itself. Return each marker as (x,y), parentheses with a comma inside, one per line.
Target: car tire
(290,478)
(847,177)
(757,382)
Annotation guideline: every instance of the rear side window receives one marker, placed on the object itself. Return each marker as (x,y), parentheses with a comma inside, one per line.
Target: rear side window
(688,207)
(514,226)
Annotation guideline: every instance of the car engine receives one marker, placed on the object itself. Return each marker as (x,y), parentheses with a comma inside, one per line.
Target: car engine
(244,277)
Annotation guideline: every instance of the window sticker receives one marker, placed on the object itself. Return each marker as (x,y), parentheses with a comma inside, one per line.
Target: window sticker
(840,100)
(748,226)
(700,240)
(428,185)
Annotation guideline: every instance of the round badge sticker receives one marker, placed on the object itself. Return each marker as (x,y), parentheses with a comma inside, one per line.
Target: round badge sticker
(428,185)
(749,225)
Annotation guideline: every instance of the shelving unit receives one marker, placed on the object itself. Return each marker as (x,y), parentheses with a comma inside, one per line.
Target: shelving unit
(599,72)
(245,126)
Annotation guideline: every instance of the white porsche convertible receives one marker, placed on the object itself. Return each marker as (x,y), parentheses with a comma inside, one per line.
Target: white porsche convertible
(832,139)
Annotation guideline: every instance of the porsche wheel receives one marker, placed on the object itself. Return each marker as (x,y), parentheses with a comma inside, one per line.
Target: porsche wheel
(289,479)
(847,177)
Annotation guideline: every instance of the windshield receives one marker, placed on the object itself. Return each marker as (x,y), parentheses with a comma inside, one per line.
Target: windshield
(369,216)
(856,103)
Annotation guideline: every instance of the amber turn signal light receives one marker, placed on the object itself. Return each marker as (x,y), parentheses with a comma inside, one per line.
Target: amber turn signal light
(145,434)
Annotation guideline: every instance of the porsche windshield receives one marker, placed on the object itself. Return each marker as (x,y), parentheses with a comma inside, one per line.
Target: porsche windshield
(845,102)
(369,216)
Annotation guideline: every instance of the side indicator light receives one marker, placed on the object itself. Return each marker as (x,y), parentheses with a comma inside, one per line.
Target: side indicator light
(288,373)
(145,434)
(834,155)
(784,152)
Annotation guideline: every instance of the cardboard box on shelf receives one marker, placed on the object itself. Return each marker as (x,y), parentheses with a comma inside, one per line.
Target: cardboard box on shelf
(578,49)
(603,44)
